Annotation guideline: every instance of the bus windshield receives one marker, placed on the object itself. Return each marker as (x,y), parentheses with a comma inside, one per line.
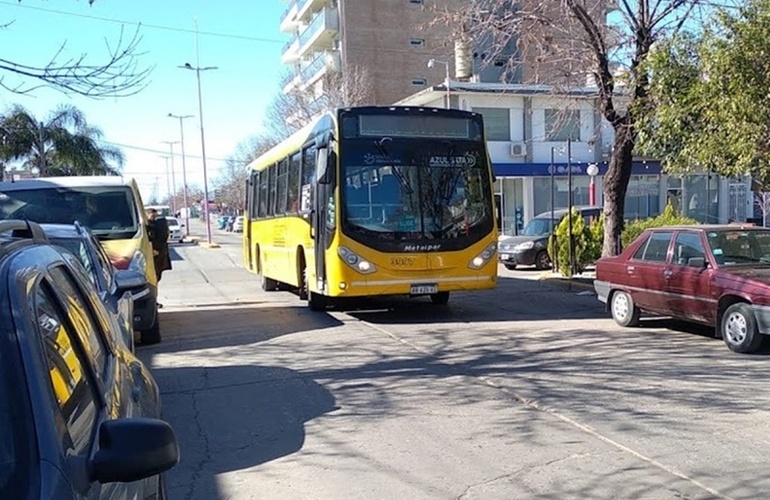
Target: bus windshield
(110,212)
(408,189)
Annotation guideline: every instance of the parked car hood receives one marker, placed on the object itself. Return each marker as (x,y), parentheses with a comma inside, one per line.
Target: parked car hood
(760,274)
(515,240)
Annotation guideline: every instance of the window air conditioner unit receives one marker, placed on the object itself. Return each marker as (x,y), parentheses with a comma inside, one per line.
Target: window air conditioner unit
(518,149)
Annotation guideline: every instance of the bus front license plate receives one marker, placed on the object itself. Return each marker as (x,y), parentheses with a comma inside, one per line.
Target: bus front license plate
(424,289)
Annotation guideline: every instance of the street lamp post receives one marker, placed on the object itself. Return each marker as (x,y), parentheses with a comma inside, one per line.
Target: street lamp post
(184,171)
(173,176)
(168,178)
(198,70)
(555,257)
(592,170)
(569,207)
(431,63)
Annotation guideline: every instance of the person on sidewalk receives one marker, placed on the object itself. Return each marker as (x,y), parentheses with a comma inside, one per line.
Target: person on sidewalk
(158,232)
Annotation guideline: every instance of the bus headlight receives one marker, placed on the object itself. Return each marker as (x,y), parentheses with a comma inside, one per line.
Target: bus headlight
(355,262)
(484,257)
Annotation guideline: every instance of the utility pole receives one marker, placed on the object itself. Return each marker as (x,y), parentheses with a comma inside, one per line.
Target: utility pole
(173,178)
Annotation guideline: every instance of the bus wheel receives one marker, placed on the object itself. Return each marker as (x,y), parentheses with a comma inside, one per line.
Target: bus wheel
(302,289)
(316,301)
(440,298)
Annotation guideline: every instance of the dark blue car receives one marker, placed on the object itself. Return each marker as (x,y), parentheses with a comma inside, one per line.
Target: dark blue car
(118,289)
(79,413)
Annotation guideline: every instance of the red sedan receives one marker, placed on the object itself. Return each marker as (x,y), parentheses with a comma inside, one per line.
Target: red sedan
(714,275)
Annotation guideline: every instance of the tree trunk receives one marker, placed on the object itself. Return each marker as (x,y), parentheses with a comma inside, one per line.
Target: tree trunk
(615,187)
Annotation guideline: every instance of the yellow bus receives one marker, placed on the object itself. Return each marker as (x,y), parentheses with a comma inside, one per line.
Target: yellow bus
(373,201)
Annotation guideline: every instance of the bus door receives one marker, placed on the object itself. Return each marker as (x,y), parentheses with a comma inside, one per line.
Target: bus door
(324,214)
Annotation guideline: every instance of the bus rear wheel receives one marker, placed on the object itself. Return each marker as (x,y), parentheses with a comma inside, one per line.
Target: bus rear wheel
(441,298)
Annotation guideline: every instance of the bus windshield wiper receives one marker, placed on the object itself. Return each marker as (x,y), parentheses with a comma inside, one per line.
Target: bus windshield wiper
(396,173)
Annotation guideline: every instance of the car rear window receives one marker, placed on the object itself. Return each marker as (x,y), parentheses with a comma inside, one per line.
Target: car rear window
(110,212)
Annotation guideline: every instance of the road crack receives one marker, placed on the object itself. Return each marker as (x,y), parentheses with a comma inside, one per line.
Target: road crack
(201,434)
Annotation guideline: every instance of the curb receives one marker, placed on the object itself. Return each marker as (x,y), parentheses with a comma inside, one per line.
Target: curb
(571,284)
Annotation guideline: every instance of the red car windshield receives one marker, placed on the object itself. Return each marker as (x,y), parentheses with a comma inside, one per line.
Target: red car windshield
(736,247)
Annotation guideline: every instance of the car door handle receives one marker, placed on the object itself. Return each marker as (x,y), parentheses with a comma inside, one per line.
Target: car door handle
(668,274)
(630,269)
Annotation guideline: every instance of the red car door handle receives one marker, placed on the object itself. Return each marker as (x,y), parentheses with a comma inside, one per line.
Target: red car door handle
(668,274)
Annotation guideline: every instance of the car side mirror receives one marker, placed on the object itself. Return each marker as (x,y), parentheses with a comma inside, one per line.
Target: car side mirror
(698,262)
(131,449)
(129,279)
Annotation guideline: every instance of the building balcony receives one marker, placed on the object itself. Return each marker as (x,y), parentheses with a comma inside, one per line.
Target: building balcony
(291,80)
(290,53)
(306,8)
(289,21)
(324,63)
(320,33)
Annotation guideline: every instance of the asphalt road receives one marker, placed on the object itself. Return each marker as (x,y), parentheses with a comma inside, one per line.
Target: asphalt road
(528,391)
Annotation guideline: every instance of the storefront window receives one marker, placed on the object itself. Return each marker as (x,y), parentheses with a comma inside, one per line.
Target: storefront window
(700,197)
(642,197)
(512,204)
(542,192)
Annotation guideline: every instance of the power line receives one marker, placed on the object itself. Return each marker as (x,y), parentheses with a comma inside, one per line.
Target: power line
(165,152)
(137,23)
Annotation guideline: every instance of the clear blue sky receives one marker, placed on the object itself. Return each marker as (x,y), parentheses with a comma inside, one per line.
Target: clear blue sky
(245,44)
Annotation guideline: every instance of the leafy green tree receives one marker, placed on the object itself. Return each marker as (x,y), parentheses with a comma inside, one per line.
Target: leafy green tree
(709,106)
(582,245)
(669,217)
(63,144)
(565,44)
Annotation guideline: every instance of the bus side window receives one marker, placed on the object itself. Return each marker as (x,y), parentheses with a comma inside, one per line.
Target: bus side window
(272,182)
(262,194)
(308,174)
(294,184)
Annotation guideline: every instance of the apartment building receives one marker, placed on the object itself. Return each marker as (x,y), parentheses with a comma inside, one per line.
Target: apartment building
(389,41)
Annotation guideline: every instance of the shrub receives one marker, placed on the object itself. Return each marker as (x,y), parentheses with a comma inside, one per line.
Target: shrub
(669,217)
(582,244)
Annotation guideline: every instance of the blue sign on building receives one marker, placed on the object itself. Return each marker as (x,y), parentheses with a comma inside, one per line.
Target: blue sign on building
(561,169)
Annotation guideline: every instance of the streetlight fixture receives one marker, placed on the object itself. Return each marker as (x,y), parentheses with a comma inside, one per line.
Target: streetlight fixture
(431,63)
(198,70)
(173,176)
(184,171)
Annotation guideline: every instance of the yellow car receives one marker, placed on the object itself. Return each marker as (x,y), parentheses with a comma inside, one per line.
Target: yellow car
(111,207)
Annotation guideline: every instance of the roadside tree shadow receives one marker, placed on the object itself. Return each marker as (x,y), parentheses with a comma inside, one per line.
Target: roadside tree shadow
(223,326)
(230,418)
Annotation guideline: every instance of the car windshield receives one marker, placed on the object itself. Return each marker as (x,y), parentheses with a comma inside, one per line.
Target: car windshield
(172,221)
(438,190)
(537,227)
(108,211)
(736,247)
(16,437)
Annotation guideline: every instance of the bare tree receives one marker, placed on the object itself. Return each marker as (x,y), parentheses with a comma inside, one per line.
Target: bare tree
(352,86)
(570,43)
(762,201)
(116,74)
(231,182)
